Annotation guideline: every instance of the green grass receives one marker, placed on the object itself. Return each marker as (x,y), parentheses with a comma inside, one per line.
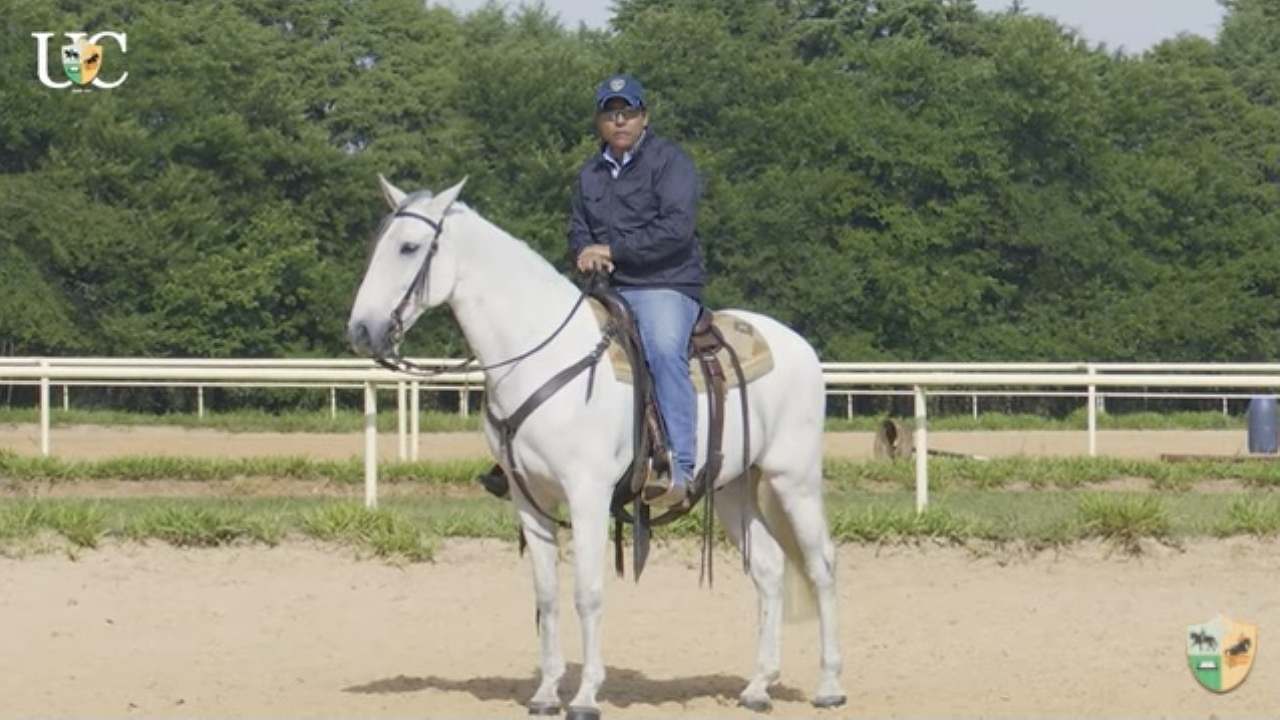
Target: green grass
(319,421)
(411,528)
(1124,520)
(52,469)
(1047,473)
(1078,420)
(348,421)
(195,523)
(944,473)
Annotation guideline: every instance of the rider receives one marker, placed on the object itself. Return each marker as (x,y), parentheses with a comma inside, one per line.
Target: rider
(634,209)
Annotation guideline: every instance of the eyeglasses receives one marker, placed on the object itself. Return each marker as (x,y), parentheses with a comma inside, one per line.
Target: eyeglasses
(621,114)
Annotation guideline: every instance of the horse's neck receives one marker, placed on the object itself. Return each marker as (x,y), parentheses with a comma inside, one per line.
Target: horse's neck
(507,299)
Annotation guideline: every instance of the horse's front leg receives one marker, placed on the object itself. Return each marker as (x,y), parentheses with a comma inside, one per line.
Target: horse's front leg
(589,508)
(540,534)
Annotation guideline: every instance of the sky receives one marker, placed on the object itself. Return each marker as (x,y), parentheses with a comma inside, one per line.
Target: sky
(1134,25)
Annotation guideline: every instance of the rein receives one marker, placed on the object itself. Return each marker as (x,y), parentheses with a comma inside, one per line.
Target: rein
(507,427)
(419,287)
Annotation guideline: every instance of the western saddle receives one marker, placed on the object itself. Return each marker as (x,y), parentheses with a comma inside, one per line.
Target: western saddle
(707,347)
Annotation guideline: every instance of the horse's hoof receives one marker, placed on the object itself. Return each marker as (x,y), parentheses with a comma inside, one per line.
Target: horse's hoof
(581,713)
(760,705)
(544,708)
(830,701)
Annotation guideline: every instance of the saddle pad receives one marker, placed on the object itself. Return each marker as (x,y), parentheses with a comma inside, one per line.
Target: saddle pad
(752,348)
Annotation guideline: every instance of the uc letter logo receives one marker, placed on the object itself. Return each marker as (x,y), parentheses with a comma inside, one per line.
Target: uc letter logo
(82,59)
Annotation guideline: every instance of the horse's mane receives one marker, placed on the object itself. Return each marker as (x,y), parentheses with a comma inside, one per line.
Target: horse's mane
(512,250)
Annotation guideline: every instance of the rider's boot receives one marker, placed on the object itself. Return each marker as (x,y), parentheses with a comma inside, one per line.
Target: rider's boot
(495,481)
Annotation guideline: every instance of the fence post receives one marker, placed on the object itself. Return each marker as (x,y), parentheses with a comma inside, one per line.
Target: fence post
(44,409)
(415,423)
(200,401)
(370,445)
(975,406)
(849,404)
(402,446)
(1093,415)
(66,398)
(333,403)
(922,451)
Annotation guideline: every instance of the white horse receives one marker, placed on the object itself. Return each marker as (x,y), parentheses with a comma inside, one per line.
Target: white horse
(507,299)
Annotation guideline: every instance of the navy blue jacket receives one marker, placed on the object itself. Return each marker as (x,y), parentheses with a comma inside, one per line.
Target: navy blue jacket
(646,217)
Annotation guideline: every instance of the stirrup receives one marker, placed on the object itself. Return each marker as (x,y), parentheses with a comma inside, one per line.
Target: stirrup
(660,489)
(662,492)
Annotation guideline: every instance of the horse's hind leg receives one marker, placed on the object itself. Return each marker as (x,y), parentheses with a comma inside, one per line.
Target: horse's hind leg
(540,534)
(801,499)
(767,560)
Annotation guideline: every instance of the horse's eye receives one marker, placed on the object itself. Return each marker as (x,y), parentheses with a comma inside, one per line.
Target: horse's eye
(409,248)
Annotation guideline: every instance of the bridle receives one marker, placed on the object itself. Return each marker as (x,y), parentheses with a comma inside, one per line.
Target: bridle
(419,288)
(505,427)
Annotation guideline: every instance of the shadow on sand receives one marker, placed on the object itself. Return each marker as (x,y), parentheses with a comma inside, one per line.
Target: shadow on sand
(622,687)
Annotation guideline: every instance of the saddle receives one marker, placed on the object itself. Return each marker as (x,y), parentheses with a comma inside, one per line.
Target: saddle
(709,349)
(717,340)
(734,333)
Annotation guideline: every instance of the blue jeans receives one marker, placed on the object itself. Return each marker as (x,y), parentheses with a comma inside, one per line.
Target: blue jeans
(665,318)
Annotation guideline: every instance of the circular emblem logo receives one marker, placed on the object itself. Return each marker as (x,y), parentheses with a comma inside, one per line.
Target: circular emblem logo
(617,84)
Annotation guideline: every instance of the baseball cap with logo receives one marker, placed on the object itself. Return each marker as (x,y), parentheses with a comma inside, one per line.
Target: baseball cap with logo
(620,86)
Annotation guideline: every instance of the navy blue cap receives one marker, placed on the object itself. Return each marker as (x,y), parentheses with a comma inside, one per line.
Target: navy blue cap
(620,86)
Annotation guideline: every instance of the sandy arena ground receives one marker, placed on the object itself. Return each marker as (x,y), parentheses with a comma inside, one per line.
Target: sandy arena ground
(305,630)
(93,442)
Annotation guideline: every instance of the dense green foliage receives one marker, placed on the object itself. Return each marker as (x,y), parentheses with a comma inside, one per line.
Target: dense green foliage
(897,179)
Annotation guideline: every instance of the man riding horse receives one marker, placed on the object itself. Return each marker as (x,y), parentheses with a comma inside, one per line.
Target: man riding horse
(634,209)
(634,212)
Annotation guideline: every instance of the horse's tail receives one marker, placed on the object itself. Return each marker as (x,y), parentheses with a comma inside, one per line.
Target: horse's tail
(799,599)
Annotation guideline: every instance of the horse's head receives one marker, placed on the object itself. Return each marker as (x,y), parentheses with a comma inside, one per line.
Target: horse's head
(411,268)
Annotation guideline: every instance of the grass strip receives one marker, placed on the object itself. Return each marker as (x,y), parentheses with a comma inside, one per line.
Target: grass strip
(944,473)
(1047,473)
(297,421)
(52,469)
(1078,420)
(411,528)
(191,523)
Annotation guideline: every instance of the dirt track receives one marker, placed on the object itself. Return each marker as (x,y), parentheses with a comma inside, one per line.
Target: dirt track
(308,631)
(301,631)
(92,442)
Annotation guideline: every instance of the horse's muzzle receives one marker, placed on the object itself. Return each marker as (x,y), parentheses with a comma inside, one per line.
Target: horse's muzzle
(359,337)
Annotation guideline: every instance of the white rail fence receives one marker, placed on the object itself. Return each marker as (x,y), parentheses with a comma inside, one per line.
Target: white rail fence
(922,379)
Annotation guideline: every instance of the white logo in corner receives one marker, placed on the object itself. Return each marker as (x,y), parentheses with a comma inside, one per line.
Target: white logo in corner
(81,59)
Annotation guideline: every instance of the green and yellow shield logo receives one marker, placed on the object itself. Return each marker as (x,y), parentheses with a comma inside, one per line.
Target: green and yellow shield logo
(1221,652)
(81,62)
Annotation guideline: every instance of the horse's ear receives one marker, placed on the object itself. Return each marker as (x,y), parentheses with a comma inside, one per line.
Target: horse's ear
(446,198)
(393,194)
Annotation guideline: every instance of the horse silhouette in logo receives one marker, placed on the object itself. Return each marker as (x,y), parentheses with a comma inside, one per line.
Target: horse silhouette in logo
(1241,647)
(1203,640)
(1238,654)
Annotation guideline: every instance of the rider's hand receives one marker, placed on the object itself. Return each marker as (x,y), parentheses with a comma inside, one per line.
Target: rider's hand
(594,258)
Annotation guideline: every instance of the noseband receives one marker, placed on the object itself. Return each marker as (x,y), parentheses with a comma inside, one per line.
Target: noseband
(507,427)
(419,287)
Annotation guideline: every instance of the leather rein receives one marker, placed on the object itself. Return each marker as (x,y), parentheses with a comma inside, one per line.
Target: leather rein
(419,288)
(506,427)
